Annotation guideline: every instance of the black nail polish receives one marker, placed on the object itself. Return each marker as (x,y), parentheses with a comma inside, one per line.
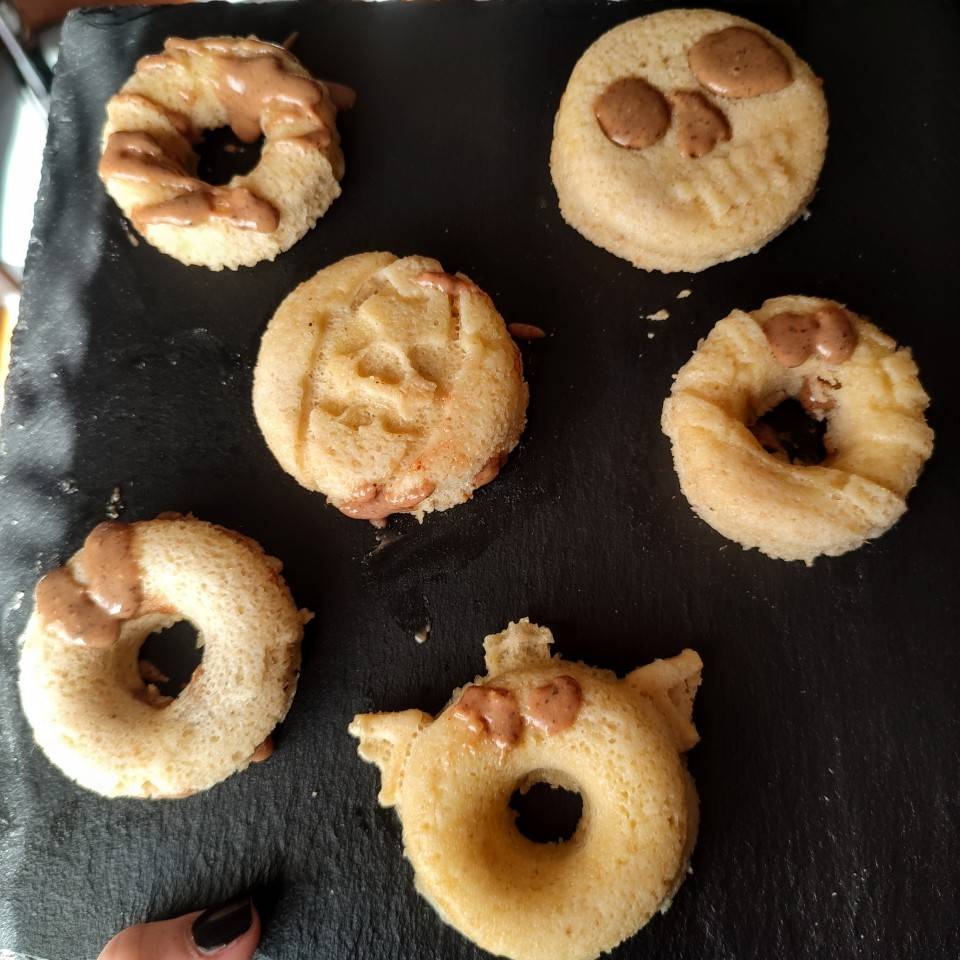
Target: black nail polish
(218,926)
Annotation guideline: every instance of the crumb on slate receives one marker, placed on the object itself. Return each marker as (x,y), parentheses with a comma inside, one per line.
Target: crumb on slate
(115,504)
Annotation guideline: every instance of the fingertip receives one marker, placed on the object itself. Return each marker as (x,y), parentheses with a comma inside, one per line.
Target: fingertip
(242,947)
(227,932)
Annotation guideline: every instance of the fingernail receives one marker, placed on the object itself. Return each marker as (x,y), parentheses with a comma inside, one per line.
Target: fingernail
(219,926)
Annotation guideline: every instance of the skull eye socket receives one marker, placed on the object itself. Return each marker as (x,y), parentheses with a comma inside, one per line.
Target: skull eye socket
(634,114)
(739,64)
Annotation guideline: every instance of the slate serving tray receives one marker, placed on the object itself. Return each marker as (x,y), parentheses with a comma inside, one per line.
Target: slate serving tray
(828,769)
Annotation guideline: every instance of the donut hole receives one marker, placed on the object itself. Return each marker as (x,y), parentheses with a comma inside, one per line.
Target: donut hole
(169,656)
(222,155)
(545,811)
(788,432)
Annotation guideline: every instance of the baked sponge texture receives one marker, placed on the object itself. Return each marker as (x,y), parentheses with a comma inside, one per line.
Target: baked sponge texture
(373,385)
(664,211)
(623,754)
(89,708)
(877,437)
(298,174)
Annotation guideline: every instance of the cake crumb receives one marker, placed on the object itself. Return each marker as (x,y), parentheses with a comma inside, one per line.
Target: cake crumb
(421,635)
(683,294)
(651,335)
(131,236)
(115,504)
(659,315)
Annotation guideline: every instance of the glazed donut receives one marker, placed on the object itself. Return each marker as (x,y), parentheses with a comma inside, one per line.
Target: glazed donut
(841,368)
(531,719)
(148,164)
(93,715)
(390,386)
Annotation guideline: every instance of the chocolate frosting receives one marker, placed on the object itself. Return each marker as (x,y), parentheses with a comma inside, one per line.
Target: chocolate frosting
(828,332)
(91,613)
(700,124)
(739,63)
(632,113)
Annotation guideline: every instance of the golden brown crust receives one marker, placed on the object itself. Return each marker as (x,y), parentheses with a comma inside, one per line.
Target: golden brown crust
(385,392)
(662,210)
(96,719)
(450,784)
(877,438)
(170,99)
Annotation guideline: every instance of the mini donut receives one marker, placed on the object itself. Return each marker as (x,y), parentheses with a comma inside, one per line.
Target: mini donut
(842,369)
(80,686)
(687,137)
(390,386)
(148,164)
(531,719)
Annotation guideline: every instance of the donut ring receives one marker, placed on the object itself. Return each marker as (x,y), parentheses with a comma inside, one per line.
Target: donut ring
(877,439)
(92,714)
(148,162)
(451,783)
(390,386)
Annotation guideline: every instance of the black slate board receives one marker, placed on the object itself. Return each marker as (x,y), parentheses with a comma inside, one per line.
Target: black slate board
(828,766)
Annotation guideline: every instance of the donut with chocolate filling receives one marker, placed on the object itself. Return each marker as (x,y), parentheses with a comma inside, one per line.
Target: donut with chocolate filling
(539,719)
(389,385)
(97,714)
(148,163)
(843,370)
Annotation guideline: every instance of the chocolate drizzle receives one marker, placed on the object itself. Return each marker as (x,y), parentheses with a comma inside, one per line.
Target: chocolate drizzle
(253,80)
(489,470)
(491,711)
(372,503)
(140,158)
(92,613)
(250,78)
(446,282)
(554,706)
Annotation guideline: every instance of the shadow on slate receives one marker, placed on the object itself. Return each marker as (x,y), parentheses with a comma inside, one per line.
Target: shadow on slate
(828,766)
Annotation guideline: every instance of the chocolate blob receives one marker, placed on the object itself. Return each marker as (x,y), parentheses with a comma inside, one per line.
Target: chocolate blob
(632,113)
(739,63)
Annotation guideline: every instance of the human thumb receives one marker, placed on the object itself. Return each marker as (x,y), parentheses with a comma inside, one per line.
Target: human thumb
(227,932)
